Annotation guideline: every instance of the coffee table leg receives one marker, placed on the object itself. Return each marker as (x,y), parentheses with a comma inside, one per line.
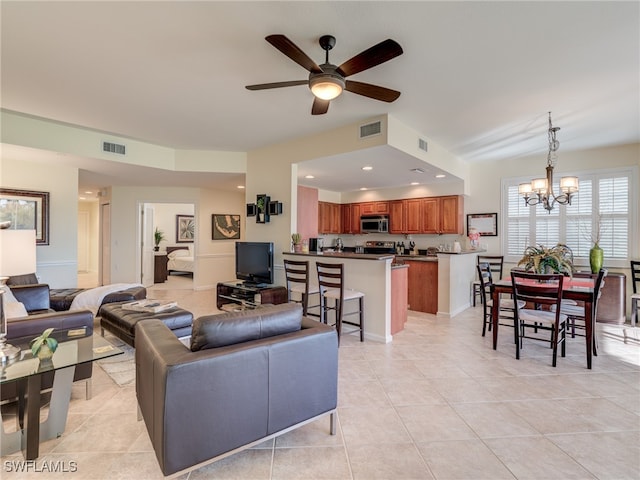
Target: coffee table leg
(56,421)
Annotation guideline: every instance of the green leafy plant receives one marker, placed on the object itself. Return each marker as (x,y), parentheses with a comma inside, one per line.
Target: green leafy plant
(158,236)
(296,238)
(540,259)
(260,204)
(44,339)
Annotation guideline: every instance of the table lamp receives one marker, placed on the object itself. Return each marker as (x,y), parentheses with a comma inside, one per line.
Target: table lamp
(17,257)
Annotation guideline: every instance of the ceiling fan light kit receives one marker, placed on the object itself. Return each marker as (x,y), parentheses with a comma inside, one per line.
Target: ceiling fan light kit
(327,81)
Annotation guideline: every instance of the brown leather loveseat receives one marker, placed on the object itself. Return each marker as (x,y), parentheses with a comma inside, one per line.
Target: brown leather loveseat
(247,377)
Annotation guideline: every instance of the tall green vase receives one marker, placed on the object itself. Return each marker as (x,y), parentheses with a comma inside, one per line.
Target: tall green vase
(596,257)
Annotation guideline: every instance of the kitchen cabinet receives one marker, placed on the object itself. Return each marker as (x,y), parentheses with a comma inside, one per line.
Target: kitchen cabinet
(351,218)
(423,286)
(441,215)
(404,216)
(399,306)
(374,208)
(396,216)
(329,217)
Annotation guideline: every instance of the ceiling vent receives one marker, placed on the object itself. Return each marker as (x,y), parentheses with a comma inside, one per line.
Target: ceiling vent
(371,129)
(113,148)
(422,144)
(417,170)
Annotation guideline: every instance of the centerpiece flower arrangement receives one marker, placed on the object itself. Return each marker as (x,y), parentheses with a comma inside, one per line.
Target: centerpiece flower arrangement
(596,254)
(540,259)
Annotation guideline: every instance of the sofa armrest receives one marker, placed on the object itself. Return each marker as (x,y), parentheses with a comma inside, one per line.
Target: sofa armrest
(36,324)
(34,297)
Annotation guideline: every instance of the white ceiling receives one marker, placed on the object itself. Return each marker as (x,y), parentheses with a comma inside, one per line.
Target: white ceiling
(477,78)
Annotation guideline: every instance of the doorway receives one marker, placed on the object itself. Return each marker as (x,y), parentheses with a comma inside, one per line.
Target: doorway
(173,265)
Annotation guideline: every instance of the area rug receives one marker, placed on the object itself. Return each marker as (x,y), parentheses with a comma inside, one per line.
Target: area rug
(121,368)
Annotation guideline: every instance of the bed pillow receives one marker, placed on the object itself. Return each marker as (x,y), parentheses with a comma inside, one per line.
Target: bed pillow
(179,253)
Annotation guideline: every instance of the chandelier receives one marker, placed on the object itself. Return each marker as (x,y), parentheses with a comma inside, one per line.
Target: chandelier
(540,190)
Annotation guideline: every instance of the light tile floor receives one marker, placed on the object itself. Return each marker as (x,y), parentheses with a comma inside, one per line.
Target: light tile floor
(438,402)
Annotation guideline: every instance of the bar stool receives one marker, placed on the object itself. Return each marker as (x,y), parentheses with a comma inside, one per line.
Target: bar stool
(331,283)
(297,275)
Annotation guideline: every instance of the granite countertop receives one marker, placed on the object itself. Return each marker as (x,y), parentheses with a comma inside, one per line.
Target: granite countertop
(356,256)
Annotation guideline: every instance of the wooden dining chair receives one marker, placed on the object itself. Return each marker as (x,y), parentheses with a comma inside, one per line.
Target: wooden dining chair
(507,307)
(635,298)
(575,311)
(496,263)
(542,295)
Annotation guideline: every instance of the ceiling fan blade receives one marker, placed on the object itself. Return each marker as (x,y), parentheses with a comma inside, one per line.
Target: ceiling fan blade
(320,106)
(292,51)
(264,86)
(380,53)
(372,91)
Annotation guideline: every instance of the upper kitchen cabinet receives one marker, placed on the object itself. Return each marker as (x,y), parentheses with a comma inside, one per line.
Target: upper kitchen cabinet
(374,208)
(329,218)
(351,218)
(404,216)
(442,215)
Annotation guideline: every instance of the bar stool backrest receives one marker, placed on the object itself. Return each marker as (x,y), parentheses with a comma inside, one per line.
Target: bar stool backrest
(496,263)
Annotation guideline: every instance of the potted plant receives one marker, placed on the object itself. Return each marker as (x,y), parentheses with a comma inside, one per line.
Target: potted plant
(43,346)
(260,206)
(295,240)
(158,236)
(540,259)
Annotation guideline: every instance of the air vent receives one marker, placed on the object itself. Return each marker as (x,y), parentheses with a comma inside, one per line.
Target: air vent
(422,144)
(113,148)
(370,129)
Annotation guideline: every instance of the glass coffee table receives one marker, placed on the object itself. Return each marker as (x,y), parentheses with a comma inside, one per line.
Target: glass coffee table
(74,348)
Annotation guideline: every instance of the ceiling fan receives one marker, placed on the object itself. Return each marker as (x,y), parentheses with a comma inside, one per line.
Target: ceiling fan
(327,81)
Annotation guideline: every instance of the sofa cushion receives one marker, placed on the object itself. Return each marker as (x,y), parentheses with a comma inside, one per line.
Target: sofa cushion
(213,331)
(25,279)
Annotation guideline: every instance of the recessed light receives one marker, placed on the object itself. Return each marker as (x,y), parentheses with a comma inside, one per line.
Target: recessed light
(88,193)
(440,175)
(309,176)
(367,168)
(363,188)
(240,186)
(82,198)
(415,183)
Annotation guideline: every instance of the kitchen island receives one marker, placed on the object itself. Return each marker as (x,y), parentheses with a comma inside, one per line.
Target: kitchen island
(370,274)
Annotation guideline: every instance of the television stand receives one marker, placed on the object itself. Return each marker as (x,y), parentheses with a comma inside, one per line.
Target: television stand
(248,295)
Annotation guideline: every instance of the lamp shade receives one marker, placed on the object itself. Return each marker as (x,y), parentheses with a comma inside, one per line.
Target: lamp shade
(17,252)
(326,86)
(569,184)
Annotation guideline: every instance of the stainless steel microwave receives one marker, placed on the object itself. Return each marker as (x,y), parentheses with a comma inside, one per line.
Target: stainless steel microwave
(374,224)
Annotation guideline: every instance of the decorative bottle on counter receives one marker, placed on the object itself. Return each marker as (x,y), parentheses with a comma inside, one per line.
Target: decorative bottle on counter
(456,247)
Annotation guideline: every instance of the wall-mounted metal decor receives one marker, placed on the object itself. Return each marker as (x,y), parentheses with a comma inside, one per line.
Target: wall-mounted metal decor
(26,210)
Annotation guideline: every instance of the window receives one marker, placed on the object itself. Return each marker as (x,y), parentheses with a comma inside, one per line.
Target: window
(604,197)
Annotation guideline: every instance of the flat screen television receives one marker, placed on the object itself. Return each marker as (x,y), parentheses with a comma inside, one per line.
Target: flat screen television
(254,262)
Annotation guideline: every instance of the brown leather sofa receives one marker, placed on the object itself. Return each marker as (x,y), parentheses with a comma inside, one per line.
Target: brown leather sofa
(248,376)
(34,325)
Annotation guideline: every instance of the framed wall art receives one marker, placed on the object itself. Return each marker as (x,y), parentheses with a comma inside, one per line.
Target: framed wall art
(26,210)
(225,227)
(185,228)
(485,223)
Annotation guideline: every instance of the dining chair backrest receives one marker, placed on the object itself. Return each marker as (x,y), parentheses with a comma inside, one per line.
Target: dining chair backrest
(486,279)
(496,264)
(538,289)
(635,275)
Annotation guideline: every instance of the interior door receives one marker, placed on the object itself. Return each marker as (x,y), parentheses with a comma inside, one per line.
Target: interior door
(146,245)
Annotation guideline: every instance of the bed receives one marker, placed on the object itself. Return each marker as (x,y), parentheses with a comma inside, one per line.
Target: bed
(180,260)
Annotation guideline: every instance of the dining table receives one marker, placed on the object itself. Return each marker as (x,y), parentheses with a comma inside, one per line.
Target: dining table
(579,289)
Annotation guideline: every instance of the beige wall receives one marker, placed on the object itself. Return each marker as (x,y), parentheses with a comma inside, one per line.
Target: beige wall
(57,263)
